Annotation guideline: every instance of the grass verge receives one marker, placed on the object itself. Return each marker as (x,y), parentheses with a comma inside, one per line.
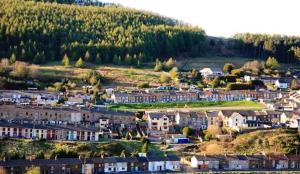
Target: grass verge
(200,104)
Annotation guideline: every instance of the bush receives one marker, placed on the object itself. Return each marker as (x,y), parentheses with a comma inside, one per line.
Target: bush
(186,131)
(228,67)
(229,78)
(63,153)
(143,85)
(257,83)
(238,72)
(239,86)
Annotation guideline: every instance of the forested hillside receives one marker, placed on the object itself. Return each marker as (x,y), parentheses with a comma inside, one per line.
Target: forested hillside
(284,48)
(39,32)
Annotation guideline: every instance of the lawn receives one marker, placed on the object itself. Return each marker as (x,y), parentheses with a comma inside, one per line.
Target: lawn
(206,104)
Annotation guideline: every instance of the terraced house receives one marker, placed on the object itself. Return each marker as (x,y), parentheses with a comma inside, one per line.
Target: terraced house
(94,165)
(60,115)
(153,97)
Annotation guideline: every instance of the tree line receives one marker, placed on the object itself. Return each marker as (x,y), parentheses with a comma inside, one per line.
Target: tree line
(285,48)
(40,32)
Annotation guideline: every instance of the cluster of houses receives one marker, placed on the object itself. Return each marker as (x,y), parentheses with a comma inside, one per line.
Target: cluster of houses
(245,162)
(90,124)
(43,98)
(26,130)
(160,123)
(142,163)
(59,123)
(156,96)
(281,83)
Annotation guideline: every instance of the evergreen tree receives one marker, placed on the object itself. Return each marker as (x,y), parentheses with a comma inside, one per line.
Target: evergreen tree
(39,58)
(12,58)
(272,63)
(65,61)
(128,60)
(145,148)
(79,63)
(170,64)
(98,59)
(158,66)
(116,59)
(123,155)
(87,56)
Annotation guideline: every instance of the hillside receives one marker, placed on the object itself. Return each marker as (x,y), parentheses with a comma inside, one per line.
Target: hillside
(39,32)
(280,141)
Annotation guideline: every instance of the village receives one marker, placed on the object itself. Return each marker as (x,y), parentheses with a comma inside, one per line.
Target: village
(73,116)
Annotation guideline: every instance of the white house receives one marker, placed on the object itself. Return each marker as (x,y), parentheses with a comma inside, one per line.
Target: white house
(115,165)
(237,121)
(281,83)
(156,163)
(120,97)
(172,163)
(204,162)
(211,72)
(103,123)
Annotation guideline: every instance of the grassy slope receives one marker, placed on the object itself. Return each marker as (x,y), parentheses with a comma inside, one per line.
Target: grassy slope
(114,75)
(218,62)
(238,104)
(84,149)
(279,141)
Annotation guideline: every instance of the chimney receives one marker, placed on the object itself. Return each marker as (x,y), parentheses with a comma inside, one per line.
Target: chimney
(55,157)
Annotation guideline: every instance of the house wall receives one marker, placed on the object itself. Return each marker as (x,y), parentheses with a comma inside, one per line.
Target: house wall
(238,164)
(156,166)
(173,165)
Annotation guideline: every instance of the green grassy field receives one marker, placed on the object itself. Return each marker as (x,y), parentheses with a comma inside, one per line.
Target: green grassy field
(205,104)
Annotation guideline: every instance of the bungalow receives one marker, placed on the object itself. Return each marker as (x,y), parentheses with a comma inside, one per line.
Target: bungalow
(211,72)
(205,162)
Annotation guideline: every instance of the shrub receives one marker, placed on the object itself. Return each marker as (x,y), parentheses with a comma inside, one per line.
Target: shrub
(186,131)
(239,86)
(143,85)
